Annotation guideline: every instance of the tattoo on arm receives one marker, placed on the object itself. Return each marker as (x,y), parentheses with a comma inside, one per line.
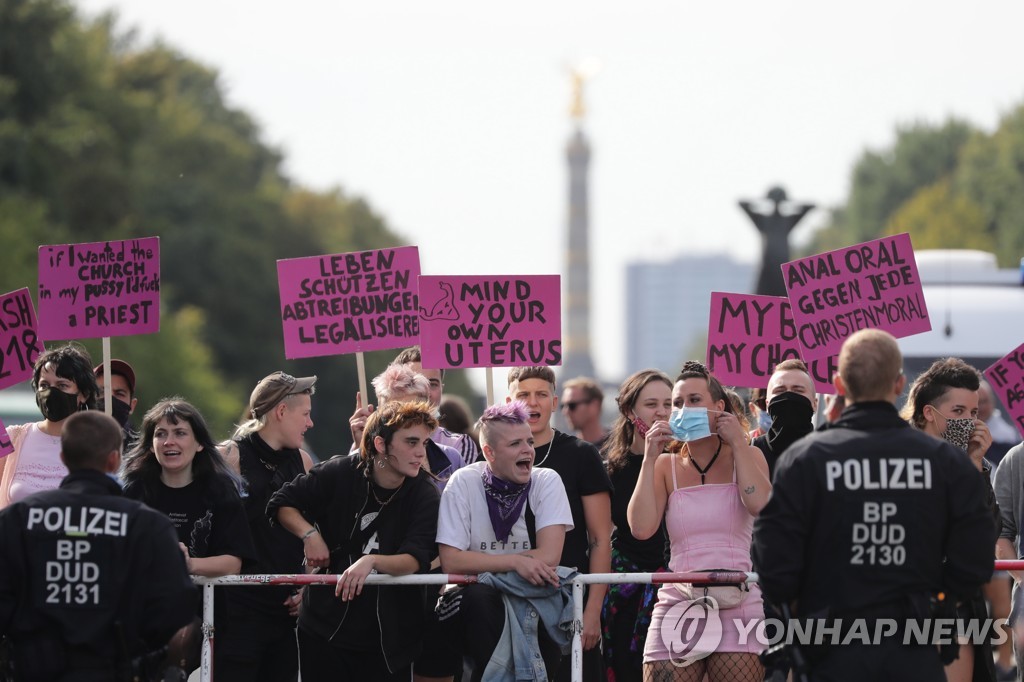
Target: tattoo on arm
(749,490)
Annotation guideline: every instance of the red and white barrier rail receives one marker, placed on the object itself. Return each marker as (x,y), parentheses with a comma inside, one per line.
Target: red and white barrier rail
(703,578)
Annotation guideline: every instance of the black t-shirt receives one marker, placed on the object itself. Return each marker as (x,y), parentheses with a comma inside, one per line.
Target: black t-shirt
(583,473)
(360,630)
(648,554)
(208,519)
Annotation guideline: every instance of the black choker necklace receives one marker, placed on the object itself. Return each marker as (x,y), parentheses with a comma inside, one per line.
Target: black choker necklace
(703,471)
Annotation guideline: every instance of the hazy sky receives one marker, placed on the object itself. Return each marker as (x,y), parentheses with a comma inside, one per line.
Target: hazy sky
(451,116)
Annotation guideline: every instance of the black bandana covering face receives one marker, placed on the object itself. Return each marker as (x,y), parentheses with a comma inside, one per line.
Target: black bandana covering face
(791,415)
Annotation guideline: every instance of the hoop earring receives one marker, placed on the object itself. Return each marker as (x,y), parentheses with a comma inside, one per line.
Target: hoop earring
(380,463)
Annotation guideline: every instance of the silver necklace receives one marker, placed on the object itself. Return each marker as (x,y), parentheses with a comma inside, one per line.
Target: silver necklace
(392,496)
(548,452)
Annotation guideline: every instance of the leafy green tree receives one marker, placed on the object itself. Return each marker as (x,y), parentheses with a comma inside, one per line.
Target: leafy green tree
(991,173)
(939,218)
(883,180)
(102,138)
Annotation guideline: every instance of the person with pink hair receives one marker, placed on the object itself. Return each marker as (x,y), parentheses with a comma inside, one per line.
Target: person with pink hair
(401,384)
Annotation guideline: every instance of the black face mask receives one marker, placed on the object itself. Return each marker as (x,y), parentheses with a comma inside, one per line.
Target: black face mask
(791,415)
(55,404)
(119,410)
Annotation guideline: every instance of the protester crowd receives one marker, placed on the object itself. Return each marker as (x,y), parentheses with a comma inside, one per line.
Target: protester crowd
(868,514)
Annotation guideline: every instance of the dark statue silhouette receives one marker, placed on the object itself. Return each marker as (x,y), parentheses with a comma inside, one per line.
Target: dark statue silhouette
(774,228)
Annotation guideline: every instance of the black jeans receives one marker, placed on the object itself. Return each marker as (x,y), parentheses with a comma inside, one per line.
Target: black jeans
(256,648)
(321,660)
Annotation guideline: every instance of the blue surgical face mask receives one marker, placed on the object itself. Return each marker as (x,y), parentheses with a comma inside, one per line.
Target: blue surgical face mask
(764,421)
(690,423)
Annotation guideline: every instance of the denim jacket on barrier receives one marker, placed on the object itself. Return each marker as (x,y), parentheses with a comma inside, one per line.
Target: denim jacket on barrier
(517,655)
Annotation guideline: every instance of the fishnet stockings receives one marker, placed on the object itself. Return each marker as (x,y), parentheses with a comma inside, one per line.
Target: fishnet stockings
(721,667)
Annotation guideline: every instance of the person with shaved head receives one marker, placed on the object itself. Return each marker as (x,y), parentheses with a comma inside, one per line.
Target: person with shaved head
(507,518)
(871,520)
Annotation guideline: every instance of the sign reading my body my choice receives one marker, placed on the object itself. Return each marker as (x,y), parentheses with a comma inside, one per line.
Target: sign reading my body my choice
(748,335)
(349,302)
(871,285)
(502,321)
(1007,379)
(87,291)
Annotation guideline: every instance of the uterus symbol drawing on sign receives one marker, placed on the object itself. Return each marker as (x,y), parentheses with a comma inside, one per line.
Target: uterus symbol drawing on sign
(443,308)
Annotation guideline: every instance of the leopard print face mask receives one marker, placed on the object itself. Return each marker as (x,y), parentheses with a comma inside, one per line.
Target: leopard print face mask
(958,431)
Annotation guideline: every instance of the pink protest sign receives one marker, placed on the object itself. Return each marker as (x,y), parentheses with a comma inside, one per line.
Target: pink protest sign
(19,343)
(871,285)
(87,291)
(749,335)
(5,441)
(1007,379)
(501,321)
(349,302)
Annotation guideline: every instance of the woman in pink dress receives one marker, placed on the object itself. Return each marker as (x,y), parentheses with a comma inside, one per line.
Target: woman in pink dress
(708,495)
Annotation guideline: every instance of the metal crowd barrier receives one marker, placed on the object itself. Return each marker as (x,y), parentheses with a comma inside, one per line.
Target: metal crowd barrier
(712,578)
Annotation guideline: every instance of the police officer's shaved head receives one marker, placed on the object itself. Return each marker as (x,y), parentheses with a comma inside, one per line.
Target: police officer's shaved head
(870,367)
(87,440)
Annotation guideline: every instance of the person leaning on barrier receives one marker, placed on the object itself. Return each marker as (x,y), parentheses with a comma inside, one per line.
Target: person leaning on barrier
(371,513)
(871,519)
(90,582)
(506,518)
(587,546)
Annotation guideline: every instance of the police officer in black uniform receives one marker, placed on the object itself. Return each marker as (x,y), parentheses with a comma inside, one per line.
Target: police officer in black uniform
(90,582)
(873,520)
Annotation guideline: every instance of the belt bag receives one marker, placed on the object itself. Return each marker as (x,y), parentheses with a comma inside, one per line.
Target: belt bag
(727,596)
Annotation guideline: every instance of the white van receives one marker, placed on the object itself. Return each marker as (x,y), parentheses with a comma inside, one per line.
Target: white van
(976,310)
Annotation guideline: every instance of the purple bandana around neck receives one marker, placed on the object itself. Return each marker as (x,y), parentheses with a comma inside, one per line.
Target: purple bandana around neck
(505,502)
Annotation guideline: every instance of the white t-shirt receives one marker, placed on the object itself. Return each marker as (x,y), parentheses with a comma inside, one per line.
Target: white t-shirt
(465,524)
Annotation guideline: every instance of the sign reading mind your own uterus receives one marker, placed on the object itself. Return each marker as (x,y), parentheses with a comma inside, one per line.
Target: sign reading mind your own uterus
(496,321)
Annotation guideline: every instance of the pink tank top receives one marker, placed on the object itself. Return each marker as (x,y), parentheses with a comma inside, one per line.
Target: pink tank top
(708,527)
(39,465)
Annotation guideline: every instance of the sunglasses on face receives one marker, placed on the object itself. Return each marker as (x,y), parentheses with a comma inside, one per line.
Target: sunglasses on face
(573,404)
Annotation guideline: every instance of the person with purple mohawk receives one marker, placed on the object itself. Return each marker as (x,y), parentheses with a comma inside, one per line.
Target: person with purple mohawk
(503,517)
